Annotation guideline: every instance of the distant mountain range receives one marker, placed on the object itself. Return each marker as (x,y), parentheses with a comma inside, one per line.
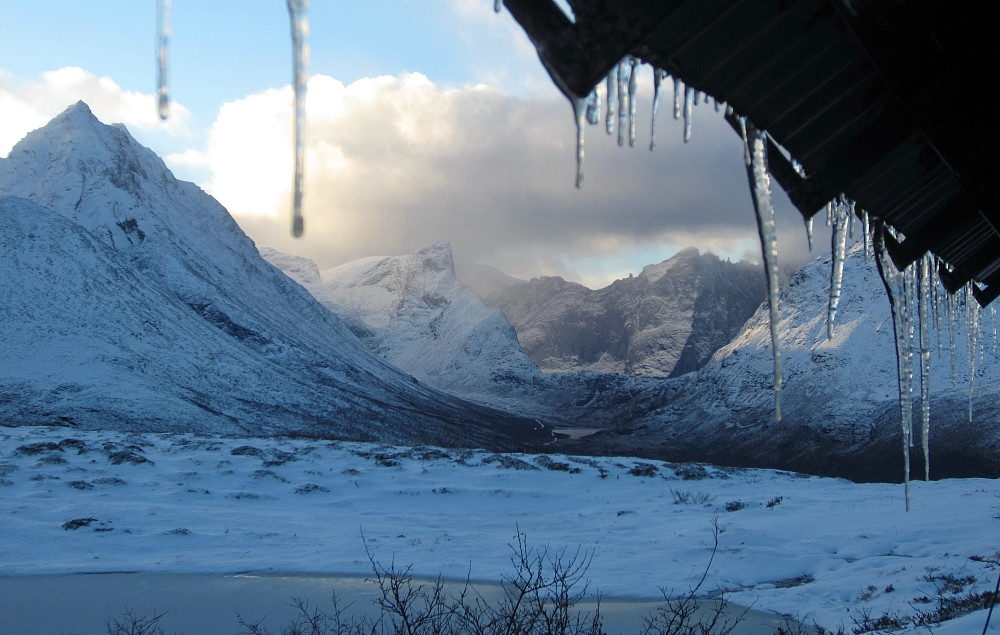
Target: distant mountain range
(664,322)
(133,301)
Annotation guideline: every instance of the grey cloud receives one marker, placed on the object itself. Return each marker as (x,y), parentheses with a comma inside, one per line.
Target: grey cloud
(493,175)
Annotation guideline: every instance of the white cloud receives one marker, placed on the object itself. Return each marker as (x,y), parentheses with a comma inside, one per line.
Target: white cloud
(25,106)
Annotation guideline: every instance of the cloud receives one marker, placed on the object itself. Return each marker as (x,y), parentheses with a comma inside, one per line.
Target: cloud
(25,106)
(395,163)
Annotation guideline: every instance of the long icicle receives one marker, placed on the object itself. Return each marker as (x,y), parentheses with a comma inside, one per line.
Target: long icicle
(867,229)
(658,76)
(611,96)
(580,115)
(760,192)
(925,301)
(892,280)
(623,108)
(297,13)
(688,112)
(951,302)
(972,337)
(162,41)
(838,249)
(678,97)
(633,81)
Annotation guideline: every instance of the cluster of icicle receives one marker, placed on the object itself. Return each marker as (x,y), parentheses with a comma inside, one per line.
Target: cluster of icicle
(917,298)
(298,16)
(919,301)
(620,97)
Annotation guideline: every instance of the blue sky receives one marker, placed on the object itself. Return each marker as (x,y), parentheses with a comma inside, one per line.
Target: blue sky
(429,120)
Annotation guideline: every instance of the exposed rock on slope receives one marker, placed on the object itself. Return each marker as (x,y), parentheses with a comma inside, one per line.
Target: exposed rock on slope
(129,299)
(666,321)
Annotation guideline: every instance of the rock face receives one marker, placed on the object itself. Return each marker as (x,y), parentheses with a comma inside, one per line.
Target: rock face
(840,398)
(665,322)
(129,299)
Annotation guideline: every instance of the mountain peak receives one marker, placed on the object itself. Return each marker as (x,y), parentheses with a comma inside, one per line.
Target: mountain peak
(437,257)
(657,271)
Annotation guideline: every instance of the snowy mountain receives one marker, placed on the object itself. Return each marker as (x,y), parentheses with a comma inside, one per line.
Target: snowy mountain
(129,299)
(840,397)
(665,322)
(414,313)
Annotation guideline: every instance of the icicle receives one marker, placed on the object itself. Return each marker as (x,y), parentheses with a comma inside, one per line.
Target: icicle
(972,339)
(497,4)
(632,81)
(658,76)
(162,41)
(760,191)
(593,107)
(829,214)
(925,301)
(300,59)
(936,302)
(895,289)
(717,103)
(809,232)
(746,140)
(801,171)
(867,229)
(838,248)
(993,313)
(580,115)
(688,105)
(910,289)
(623,108)
(611,95)
(678,97)
(951,303)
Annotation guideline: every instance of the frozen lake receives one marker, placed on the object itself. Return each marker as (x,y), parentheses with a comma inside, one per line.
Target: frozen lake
(209,603)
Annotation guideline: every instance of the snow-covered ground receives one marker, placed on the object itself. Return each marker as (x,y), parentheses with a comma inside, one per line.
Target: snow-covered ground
(822,549)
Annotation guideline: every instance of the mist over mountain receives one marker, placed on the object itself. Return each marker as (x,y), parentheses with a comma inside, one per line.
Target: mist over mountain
(664,322)
(131,300)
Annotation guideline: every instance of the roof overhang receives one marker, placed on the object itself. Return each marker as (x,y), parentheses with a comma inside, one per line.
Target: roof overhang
(885,101)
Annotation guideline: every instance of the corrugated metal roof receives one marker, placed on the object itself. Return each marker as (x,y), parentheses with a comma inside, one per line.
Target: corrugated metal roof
(885,101)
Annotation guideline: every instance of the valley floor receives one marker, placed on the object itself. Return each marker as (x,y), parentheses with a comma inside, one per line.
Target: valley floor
(825,550)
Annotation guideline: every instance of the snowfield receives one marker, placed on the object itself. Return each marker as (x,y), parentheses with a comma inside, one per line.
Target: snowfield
(825,550)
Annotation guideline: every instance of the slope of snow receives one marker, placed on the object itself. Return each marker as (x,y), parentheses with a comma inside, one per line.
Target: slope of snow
(821,549)
(840,396)
(203,321)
